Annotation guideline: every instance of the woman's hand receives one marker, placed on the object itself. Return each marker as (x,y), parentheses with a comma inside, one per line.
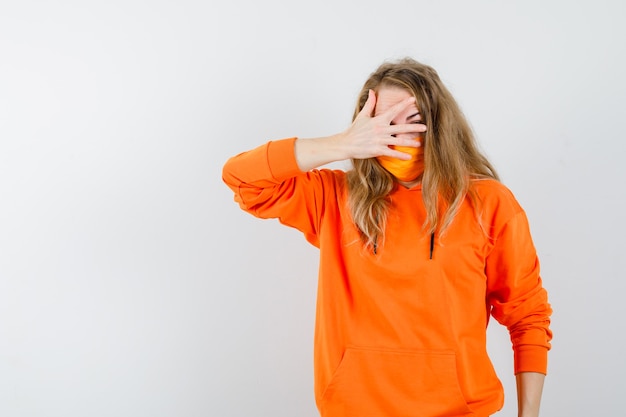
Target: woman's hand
(369,136)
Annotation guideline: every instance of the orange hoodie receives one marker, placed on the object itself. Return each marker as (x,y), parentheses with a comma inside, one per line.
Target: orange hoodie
(398,333)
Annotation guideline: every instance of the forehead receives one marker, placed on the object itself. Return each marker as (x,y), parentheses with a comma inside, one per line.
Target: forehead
(387,97)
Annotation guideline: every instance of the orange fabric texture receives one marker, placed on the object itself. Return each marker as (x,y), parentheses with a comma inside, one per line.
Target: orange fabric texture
(398,333)
(402,169)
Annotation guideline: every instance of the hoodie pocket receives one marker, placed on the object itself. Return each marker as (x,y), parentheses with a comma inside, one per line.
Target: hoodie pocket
(372,382)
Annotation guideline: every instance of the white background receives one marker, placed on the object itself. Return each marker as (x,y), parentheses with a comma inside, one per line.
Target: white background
(132,285)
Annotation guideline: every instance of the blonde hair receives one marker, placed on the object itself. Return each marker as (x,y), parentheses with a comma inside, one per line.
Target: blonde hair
(451,155)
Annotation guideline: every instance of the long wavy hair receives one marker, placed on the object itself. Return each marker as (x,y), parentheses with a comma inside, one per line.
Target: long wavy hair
(451,155)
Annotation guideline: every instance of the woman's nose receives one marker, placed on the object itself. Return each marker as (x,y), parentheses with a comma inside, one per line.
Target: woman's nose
(414,136)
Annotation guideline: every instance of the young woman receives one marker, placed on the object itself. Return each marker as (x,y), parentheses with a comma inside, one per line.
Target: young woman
(419,244)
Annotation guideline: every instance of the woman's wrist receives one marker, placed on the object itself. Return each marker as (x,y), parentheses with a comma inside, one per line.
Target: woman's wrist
(315,152)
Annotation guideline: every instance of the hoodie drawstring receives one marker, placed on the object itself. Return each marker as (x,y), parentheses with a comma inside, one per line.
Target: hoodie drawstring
(432,244)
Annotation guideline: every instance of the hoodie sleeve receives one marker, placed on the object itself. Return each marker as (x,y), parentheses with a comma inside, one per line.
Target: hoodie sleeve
(268,183)
(516,294)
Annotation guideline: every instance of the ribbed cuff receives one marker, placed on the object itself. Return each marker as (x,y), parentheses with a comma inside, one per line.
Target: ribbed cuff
(531,358)
(281,159)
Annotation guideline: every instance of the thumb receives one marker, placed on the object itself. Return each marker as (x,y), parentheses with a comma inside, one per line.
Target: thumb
(370,104)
